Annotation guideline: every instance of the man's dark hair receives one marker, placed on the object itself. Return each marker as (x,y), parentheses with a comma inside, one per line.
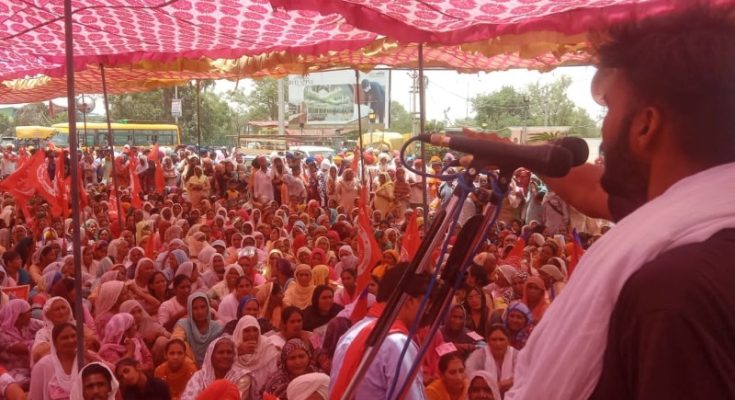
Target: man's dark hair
(684,63)
(9,256)
(96,369)
(416,285)
(126,362)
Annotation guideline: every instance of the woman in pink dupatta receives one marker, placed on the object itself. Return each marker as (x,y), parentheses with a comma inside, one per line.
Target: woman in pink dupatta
(122,340)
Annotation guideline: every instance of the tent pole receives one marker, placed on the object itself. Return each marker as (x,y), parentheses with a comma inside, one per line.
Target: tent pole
(74,155)
(111,145)
(422,123)
(199,119)
(359,127)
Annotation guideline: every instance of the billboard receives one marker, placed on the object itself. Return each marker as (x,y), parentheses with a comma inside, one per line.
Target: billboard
(330,98)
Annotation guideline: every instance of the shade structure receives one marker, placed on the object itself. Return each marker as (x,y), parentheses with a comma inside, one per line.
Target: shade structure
(462,21)
(114,32)
(546,51)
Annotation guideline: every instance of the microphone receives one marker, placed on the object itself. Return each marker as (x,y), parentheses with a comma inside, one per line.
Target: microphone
(546,159)
(577,146)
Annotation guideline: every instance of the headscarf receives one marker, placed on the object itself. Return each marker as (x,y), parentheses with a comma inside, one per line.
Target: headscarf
(278,383)
(553,271)
(320,275)
(77,388)
(64,380)
(107,297)
(206,375)
(265,351)
(148,326)
(9,314)
(297,295)
(197,340)
(312,317)
(489,379)
(305,385)
(114,332)
(543,304)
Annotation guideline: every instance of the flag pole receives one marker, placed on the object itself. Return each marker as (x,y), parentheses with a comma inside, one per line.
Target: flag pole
(359,127)
(422,124)
(74,164)
(111,146)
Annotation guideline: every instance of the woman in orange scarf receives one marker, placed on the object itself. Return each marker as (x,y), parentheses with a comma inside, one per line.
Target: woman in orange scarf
(534,296)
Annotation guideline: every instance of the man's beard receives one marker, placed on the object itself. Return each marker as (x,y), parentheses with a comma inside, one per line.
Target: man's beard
(625,179)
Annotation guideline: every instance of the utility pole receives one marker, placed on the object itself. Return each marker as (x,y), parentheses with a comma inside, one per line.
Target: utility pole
(281,111)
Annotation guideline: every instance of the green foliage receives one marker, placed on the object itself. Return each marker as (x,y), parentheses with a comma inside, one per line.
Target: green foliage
(434,126)
(537,105)
(32,114)
(400,119)
(262,101)
(6,126)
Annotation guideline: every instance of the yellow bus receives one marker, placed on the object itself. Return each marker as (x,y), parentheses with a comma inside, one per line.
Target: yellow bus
(94,134)
(31,136)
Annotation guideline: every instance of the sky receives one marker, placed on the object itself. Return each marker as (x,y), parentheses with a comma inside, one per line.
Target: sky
(450,91)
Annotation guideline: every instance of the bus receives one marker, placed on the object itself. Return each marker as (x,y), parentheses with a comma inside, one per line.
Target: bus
(26,136)
(94,134)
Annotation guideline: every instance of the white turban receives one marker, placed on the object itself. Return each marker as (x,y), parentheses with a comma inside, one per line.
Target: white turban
(306,385)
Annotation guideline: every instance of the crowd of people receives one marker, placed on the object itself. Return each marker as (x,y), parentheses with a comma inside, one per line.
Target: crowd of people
(238,280)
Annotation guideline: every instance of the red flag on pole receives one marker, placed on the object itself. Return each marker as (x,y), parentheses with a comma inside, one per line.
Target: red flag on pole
(576,253)
(39,177)
(368,250)
(61,184)
(155,157)
(361,307)
(134,181)
(19,184)
(411,240)
(356,162)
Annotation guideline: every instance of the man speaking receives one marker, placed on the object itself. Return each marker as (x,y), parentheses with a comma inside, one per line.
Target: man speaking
(650,311)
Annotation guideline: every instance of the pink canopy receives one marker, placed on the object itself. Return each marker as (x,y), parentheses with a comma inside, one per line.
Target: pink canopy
(461,21)
(117,32)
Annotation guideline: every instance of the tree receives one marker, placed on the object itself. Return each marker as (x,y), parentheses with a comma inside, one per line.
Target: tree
(6,126)
(537,105)
(434,126)
(262,101)
(32,114)
(400,119)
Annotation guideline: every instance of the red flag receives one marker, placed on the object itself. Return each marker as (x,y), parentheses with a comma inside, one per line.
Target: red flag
(576,253)
(154,156)
(368,250)
(355,162)
(361,307)
(22,157)
(134,182)
(515,256)
(112,202)
(150,246)
(40,180)
(83,197)
(411,240)
(61,184)
(19,184)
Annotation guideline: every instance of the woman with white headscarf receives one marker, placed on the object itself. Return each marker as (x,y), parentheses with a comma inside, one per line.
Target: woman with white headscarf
(111,295)
(498,357)
(77,387)
(197,329)
(305,387)
(482,386)
(56,311)
(255,353)
(122,340)
(228,284)
(219,363)
(52,377)
(191,271)
(153,334)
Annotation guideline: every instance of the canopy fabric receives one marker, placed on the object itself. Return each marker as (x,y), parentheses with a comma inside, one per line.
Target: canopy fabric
(460,21)
(547,50)
(115,32)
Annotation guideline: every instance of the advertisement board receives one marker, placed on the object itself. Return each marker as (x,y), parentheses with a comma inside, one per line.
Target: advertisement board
(330,98)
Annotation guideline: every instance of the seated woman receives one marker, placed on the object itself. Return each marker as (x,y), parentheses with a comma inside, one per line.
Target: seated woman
(553,278)
(173,309)
(291,328)
(534,296)
(177,369)
(190,270)
(227,310)
(111,295)
(454,331)
(320,312)
(56,311)
(482,386)
(197,329)
(65,288)
(299,293)
(478,311)
(138,287)
(121,340)
(255,352)
(452,382)
(17,331)
(153,334)
(53,375)
(270,299)
(519,322)
(219,363)
(347,293)
(135,384)
(226,285)
(498,357)
(309,386)
(158,287)
(295,361)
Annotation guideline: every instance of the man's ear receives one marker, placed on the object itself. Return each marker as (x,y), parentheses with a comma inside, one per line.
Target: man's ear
(645,131)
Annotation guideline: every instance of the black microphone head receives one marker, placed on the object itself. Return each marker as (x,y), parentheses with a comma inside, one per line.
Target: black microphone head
(559,162)
(577,146)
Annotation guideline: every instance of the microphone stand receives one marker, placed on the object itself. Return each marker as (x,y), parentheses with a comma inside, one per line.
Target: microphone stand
(475,230)
(421,263)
